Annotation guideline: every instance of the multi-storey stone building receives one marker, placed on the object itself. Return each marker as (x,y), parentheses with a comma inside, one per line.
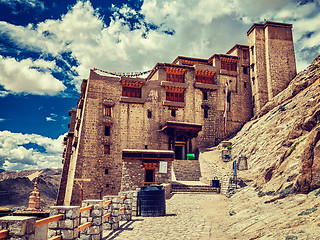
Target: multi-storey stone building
(128,131)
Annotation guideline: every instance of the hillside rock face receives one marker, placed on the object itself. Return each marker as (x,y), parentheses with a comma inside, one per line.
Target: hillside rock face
(282,143)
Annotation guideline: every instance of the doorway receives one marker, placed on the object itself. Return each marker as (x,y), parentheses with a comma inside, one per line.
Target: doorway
(179,152)
(149,177)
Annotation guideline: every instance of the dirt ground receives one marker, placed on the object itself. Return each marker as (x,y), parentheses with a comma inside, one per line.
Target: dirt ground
(246,215)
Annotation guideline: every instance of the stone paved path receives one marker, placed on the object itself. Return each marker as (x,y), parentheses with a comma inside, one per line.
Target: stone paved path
(185,219)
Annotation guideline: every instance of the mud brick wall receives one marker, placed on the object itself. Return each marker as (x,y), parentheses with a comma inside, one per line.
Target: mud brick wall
(187,170)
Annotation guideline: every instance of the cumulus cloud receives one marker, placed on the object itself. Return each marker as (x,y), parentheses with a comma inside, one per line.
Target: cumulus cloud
(23,77)
(15,156)
(135,40)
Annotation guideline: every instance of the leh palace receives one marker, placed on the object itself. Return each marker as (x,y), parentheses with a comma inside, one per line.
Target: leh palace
(127,132)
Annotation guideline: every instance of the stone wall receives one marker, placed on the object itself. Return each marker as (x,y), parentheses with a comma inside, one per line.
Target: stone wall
(136,123)
(209,162)
(187,170)
(272,60)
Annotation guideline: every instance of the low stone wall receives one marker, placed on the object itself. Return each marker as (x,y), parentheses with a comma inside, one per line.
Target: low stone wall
(167,190)
(100,215)
(210,171)
(19,227)
(67,227)
(187,170)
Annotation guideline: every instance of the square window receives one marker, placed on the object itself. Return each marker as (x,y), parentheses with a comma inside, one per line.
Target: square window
(205,95)
(173,112)
(245,70)
(205,113)
(106,149)
(107,130)
(245,54)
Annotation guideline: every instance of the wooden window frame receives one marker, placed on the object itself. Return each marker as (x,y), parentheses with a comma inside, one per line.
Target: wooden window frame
(131,92)
(175,77)
(106,149)
(107,111)
(229,66)
(175,96)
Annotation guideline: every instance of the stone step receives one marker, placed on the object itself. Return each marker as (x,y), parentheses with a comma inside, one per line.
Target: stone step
(193,188)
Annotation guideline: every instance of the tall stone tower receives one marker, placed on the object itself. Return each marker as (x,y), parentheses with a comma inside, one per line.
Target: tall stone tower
(272,60)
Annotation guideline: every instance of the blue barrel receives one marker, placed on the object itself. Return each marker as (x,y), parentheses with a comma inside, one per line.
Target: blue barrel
(152,202)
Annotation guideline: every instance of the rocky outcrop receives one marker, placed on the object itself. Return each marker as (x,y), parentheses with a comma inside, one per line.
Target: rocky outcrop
(282,143)
(309,175)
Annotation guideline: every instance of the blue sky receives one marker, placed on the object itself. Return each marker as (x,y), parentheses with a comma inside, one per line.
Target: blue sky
(47,48)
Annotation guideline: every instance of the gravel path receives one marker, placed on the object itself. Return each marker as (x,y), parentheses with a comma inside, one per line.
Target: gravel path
(185,219)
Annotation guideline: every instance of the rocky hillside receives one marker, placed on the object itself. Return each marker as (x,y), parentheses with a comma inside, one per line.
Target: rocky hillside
(15,186)
(282,146)
(282,143)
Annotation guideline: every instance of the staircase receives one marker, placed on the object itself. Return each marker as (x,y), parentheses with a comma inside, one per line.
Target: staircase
(192,187)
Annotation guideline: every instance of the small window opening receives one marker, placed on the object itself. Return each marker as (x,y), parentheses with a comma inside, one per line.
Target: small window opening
(107,185)
(106,149)
(245,85)
(108,111)
(245,54)
(107,130)
(146,146)
(205,113)
(245,70)
(205,95)
(173,112)
(106,171)
(149,114)
(253,81)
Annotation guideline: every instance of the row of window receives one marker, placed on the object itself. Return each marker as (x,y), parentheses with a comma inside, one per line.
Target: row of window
(229,66)
(175,78)
(199,78)
(131,92)
(175,97)
(205,79)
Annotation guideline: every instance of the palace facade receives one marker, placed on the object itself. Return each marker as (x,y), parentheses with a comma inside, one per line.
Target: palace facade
(128,131)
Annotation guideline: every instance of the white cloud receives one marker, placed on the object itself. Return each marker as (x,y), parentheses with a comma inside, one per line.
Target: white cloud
(2,119)
(50,119)
(199,28)
(26,3)
(22,77)
(14,156)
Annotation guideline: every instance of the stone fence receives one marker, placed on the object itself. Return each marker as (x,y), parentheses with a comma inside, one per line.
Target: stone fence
(73,222)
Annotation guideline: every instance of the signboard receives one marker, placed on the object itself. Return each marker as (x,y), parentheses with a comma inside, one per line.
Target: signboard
(163,167)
